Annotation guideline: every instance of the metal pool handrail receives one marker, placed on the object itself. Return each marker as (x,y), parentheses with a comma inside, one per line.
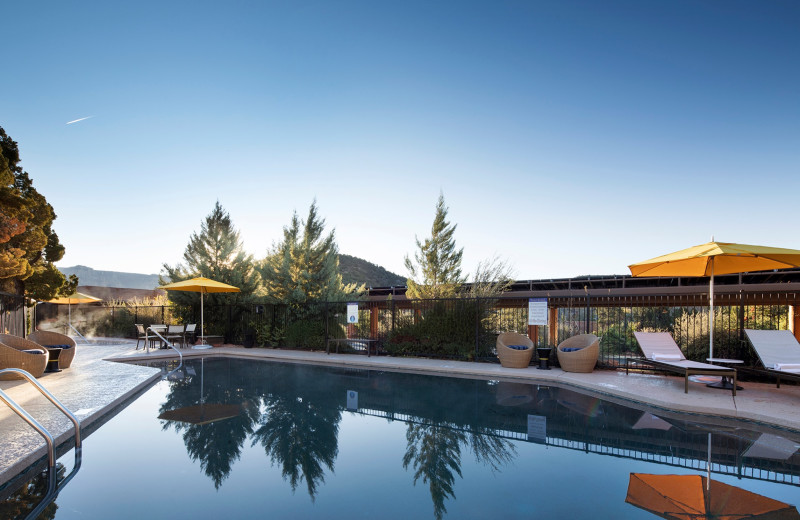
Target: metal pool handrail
(166,342)
(51,450)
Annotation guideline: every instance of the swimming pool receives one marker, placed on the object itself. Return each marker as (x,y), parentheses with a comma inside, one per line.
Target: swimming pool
(242,438)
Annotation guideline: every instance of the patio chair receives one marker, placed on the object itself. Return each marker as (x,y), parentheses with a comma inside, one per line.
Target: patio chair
(141,335)
(189,332)
(578,353)
(662,353)
(778,351)
(50,339)
(16,352)
(514,350)
(175,333)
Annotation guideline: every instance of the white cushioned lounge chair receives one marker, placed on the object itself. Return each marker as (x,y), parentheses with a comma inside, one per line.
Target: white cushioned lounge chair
(661,352)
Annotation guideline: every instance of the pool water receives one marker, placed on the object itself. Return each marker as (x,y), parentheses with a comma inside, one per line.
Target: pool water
(247,439)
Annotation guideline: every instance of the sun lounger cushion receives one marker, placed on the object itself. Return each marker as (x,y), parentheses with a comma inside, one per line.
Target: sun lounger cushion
(666,357)
(58,346)
(572,349)
(518,347)
(33,351)
(787,367)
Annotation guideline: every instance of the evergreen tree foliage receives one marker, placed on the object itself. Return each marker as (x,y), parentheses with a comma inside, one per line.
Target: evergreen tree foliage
(304,266)
(437,270)
(28,245)
(216,253)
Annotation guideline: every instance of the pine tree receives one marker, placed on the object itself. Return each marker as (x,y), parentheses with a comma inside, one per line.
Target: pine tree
(215,253)
(437,271)
(28,245)
(304,266)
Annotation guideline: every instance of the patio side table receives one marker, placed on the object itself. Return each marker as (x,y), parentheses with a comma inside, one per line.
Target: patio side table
(544,357)
(725,383)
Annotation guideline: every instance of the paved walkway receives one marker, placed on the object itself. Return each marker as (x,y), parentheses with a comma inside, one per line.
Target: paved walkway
(95,385)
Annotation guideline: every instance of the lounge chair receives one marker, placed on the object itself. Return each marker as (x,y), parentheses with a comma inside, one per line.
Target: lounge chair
(48,338)
(661,352)
(778,351)
(16,352)
(514,350)
(578,353)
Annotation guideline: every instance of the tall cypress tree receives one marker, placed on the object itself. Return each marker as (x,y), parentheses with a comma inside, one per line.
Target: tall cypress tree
(437,271)
(304,266)
(216,253)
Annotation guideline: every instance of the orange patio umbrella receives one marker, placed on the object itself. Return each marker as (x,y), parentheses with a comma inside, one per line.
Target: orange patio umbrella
(694,497)
(203,286)
(717,258)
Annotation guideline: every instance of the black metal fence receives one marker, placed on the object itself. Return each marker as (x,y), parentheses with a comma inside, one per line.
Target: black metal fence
(460,328)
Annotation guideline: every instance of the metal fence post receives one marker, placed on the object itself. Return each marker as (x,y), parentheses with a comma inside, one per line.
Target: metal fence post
(477,327)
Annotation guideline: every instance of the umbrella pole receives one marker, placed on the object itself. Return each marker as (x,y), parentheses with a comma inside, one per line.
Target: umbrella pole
(711,313)
(202,335)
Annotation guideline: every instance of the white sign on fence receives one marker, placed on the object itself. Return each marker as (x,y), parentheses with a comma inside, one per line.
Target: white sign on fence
(352,313)
(537,428)
(352,400)
(537,311)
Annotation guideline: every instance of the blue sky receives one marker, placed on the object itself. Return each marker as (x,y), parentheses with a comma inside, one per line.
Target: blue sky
(569,137)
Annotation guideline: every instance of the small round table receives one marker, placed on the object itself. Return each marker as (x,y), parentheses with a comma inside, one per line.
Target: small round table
(544,357)
(725,383)
(52,360)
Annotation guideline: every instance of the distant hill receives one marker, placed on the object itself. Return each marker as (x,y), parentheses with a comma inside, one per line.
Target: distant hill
(357,270)
(89,276)
(353,269)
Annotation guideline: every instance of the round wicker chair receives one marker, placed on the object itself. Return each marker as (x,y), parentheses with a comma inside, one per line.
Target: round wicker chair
(48,338)
(514,358)
(12,356)
(582,360)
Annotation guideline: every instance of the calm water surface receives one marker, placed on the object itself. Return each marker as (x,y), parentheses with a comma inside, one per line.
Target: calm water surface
(247,439)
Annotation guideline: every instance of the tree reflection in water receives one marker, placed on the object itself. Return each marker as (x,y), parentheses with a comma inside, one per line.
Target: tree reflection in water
(300,426)
(434,452)
(22,501)
(218,444)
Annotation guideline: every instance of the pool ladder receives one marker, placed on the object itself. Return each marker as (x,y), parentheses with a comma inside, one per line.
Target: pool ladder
(52,488)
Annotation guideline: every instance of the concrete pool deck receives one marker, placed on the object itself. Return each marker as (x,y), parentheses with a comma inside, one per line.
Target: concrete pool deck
(97,384)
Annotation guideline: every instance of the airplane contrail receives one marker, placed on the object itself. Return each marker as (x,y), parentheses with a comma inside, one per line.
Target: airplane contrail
(81,119)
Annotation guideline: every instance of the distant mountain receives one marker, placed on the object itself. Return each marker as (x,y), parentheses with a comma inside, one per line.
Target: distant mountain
(357,270)
(89,276)
(353,269)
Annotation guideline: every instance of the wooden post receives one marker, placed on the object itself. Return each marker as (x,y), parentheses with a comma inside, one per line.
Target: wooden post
(794,319)
(374,312)
(552,325)
(533,333)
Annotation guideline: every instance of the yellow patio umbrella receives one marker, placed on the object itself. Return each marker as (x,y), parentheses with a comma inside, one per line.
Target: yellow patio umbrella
(75,298)
(717,258)
(203,286)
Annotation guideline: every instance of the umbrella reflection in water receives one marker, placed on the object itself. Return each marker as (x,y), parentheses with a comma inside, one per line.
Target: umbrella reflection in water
(203,413)
(697,497)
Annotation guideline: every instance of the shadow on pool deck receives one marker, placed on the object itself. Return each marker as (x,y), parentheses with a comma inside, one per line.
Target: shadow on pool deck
(95,385)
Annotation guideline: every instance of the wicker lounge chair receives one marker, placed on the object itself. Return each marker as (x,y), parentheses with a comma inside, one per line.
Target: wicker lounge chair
(778,351)
(514,357)
(48,338)
(578,353)
(662,353)
(13,355)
